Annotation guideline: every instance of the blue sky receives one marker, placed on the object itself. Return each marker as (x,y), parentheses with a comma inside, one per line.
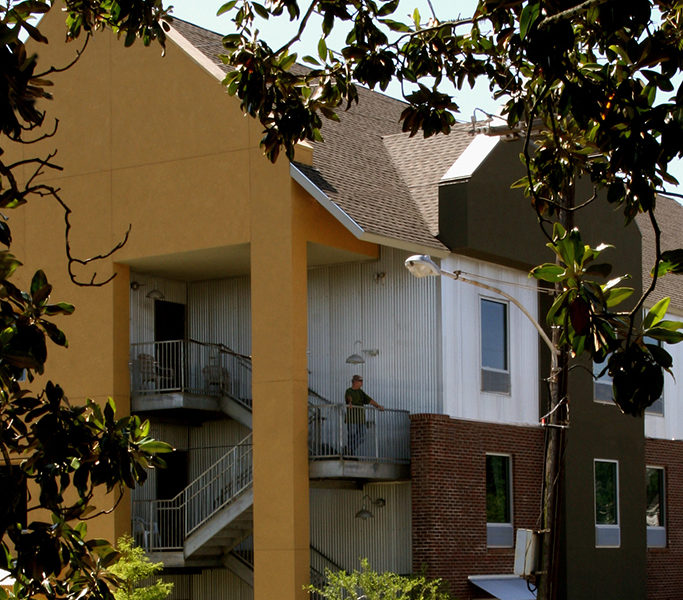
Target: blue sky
(277,31)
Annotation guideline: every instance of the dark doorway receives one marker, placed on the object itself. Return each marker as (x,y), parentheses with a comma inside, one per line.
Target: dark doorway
(171,515)
(169,327)
(173,479)
(169,321)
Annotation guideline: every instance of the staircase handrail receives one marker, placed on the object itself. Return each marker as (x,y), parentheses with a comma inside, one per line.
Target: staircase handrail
(333,565)
(218,485)
(312,392)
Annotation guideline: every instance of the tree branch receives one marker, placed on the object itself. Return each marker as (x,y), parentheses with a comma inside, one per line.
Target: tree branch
(79,53)
(302,27)
(570,12)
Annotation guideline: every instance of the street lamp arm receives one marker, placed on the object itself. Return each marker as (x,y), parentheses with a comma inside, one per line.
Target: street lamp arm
(544,336)
(424,266)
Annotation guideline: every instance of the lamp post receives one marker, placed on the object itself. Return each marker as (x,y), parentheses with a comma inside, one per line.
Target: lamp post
(421,265)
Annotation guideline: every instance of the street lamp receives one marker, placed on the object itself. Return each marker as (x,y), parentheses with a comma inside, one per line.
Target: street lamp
(421,265)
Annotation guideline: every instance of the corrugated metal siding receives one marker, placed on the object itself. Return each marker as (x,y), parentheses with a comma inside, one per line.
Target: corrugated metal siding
(142,307)
(388,310)
(210,584)
(220,312)
(211,441)
(378,303)
(384,540)
(219,584)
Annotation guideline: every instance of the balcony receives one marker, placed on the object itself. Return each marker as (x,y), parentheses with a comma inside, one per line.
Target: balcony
(356,442)
(190,375)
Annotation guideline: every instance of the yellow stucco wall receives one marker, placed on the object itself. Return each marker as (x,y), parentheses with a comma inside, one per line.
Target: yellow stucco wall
(157,144)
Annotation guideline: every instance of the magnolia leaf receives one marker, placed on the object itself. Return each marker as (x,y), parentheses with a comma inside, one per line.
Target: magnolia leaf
(671,262)
(228,6)
(665,335)
(549,272)
(656,313)
(601,269)
(661,356)
(614,282)
(155,447)
(616,296)
(529,16)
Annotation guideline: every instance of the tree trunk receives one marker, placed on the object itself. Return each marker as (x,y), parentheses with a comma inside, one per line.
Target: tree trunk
(555,423)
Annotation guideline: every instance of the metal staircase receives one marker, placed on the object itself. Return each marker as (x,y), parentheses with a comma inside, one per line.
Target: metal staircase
(209,517)
(203,524)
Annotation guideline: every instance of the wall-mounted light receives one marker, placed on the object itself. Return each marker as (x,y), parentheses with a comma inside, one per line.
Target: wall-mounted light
(364,513)
(355,358)
(155,293)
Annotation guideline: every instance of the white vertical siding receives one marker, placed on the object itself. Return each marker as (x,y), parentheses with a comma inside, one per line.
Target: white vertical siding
(670,425)
(211,441)
(383,306)
(219,311)
(219,584)
(209,584)
(384,540)
(463,397)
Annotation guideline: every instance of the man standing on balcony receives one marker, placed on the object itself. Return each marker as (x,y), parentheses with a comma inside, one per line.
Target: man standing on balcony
(356,400)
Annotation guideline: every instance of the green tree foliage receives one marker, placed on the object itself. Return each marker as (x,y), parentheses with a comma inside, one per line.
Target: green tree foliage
(55,456)
(133,568)
(587,86)
(367,584)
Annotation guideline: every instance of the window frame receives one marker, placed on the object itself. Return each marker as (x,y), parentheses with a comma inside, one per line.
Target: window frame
(607,535)
(605,379)
(656,534)
(506,372)
(655,412)
(500,534)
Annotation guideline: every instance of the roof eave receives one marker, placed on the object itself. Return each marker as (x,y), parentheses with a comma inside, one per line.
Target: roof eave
(195,54)
(354,228)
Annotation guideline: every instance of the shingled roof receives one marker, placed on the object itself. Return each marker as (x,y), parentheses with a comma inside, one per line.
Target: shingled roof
(387,182)
(669,215)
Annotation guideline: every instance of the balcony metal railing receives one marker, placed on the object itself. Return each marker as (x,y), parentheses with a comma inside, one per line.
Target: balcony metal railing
(363,433)
(163,525)
(192,367)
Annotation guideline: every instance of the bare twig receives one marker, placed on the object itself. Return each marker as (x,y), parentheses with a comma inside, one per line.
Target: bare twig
(570,12)
(44,191)
(79,53)
(302,27)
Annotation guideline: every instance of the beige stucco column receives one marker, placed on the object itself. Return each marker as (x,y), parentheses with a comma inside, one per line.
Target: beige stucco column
(279,380)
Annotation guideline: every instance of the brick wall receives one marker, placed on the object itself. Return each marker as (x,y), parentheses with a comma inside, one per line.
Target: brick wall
(665,565)
(449,495)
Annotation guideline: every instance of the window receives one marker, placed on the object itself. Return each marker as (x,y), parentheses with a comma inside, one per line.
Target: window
(602,384)
(495,372)
(655,511)
(606,478)
(498,501)
(657,407)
